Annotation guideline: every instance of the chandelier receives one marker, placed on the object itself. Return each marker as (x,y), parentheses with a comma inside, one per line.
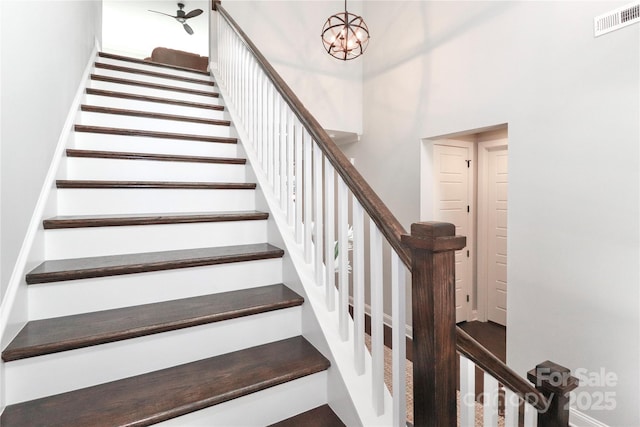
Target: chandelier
(345,35)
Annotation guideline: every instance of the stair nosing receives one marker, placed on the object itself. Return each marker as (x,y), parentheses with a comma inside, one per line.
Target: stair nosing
(145,98)
(111,268)
(153,134)
(126,155)
(61,222)
(185,388)
(155,64)
(152,115)
(140,83)
(106,66)
(245,303)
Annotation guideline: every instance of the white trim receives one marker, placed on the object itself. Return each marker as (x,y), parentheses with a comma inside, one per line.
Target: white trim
(579,419)
(10,319)
(491,142)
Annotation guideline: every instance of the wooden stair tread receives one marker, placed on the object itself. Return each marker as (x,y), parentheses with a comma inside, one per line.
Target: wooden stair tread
(140,83)
(81,221)
(64,183)
(112,67)
(156,64)
(156,396)
(136,97)
(54,335)
(151,115)
(112,265)
(126,155)
(322,416)
(154,134)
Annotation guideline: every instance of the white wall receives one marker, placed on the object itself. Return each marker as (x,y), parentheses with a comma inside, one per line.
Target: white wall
(130,29)
(45,48)
(572,106)
(288,34)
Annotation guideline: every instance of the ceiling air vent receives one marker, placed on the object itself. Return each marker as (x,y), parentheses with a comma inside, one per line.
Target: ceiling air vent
(616,19)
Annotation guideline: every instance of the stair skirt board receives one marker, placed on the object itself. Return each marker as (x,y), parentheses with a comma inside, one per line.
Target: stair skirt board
(154,212)
(104,293)
(56,373)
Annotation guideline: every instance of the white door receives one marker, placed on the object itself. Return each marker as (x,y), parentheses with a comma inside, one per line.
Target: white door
(452,195)
(496,238)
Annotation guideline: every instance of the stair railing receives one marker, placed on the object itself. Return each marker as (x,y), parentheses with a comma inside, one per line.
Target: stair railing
(304,167)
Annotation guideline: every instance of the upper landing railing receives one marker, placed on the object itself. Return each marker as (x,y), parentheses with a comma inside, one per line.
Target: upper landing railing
(350,239)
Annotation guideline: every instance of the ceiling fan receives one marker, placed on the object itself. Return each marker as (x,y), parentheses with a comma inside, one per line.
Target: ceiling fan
(182,17)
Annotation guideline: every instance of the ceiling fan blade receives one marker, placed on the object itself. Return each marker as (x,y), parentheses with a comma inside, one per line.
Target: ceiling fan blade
(193,13)
(187,28)
(161,13)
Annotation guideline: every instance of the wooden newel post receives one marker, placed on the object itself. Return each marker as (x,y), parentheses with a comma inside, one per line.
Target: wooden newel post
(214,4)
(555,382)
(433,246)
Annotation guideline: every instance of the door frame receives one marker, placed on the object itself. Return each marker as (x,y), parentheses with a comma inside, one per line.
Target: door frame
(490,142)
(428,210)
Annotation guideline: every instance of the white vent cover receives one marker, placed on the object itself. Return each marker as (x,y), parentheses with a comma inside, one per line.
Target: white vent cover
(616,19)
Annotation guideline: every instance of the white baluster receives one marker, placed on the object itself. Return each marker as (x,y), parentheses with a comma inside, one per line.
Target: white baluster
(467,392)
(358,285)
(298,181)
(283,155)
(276,144)
(490,404)
(291,163)
(319,229)
(377,331)
(530,416)
(343,260)
(398,340)
(307,197)
(511,408)
(329,233)
(270,131)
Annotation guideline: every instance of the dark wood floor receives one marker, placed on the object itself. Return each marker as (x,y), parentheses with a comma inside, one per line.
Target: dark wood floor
(489,334)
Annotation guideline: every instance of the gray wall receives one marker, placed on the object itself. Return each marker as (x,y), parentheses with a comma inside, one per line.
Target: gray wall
(572,106)
(45,48)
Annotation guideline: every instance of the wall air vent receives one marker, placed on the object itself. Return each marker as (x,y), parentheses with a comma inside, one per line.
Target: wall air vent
(616,19)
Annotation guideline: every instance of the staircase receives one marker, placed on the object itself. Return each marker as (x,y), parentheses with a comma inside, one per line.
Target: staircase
(161,299)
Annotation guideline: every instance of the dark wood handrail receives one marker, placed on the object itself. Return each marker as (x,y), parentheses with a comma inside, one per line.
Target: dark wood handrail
(381,215)
(383,218)
(474,351)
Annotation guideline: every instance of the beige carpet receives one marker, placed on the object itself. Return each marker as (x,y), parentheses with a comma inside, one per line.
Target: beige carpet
(388,367)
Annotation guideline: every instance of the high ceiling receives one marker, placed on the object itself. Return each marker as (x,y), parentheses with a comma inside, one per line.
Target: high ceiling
(129,28)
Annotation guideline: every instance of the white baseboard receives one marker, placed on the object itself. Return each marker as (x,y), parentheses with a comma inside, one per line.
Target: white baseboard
(578,419)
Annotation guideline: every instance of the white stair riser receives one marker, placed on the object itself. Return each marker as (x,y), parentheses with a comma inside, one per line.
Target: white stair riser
(99,241)
(140,144)
(154,107)
(161,93)
(152,170)
(155,68)
(103,293)
(61,372)
(261,408)
(154,79)
(157,125)
(128,201)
